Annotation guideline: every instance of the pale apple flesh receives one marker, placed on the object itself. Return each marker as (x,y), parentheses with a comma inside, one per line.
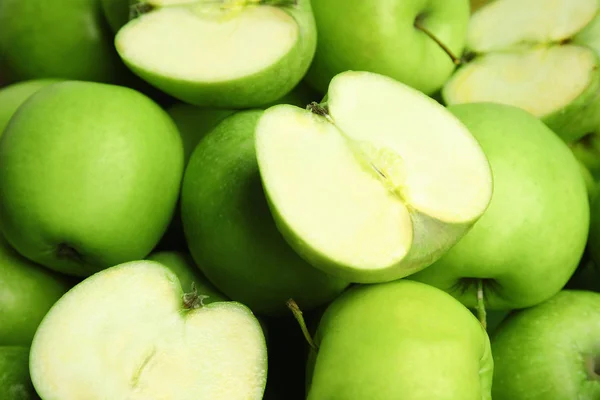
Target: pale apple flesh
(376,185)
(128,332)
(541,80)
(202,41)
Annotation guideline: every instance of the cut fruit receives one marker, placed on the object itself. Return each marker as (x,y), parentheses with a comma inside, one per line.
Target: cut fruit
(129,332)
(377,186)
(221,53)
(541,64)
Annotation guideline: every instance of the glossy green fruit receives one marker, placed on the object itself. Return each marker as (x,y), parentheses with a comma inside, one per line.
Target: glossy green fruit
(407,341)
(89,176)
(382,36)
(12,96)
(45,39)
(27,291)
(15,383)
(188,274)
(551,351)
(238,54)
(531,238)
(231,233)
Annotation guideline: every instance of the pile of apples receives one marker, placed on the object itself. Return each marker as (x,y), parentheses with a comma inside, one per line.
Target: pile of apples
(299,199)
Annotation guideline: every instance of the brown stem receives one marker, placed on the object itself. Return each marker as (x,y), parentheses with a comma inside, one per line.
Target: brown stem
(419,26)
(293,306)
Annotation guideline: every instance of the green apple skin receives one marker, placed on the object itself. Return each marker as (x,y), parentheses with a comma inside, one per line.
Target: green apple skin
(407,340)
(548,352)
(15,382)
(89,176)
(530,240)
(183,266)
(251,91)
(12,96)
(27,291)
(380,36)
(230,230)
(45,39)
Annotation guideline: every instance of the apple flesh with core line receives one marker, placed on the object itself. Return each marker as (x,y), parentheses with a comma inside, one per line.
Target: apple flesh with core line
(69,39)
(535,65)
(27,291)
(531,238)
(231,233)
(383,36)
(550,351)
(133,326)
(89,176)
(376,185)
(12,96)
(188,274)
(238,54)
(399,340)
(15,383)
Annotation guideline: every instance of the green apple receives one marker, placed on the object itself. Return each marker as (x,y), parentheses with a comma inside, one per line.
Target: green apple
(522,54)
(188,274)
(399,340)
(231,233)
(15,383)
(27,291)
(396,38)
(12,96)
(530,240)
(130,332)
(375,184)
(226,54)
(45,39)
(89,176)
(551,351)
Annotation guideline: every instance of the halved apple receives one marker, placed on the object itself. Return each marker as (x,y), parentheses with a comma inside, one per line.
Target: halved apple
(223,53)
(374,185)
(528,54)
(129,332)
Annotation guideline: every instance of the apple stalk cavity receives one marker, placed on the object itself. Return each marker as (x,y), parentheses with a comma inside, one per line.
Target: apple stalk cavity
(377,185)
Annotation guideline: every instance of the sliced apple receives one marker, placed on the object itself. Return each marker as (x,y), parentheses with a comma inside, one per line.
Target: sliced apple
(242,53)
(376,184)
(129,332)
(523,54)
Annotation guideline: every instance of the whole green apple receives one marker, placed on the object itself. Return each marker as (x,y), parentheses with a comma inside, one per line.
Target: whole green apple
(230,54)
(130,332)
(15,382)
(230,230)
(27,291)
(530,240)
(389,37)
(188,274)
(89,176)
(45,39)
(12,96)
(399,340)
(550,351)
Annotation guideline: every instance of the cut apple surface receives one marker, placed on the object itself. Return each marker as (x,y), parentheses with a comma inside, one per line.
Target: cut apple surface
(535,55)
(377,184)
(194,50)
(129,332)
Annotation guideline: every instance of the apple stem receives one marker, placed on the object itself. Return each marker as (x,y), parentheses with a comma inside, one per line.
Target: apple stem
(192,299)
(481,312)
(419,26)
(293,306)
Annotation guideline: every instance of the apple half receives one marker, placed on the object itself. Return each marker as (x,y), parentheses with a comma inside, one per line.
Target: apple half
(529,55)
(375,184)
(220,53)
(129,332)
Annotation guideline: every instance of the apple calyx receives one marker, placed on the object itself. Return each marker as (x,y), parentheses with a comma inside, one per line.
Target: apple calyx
(193,300)
(295,309)
(592,365)
(64,251)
